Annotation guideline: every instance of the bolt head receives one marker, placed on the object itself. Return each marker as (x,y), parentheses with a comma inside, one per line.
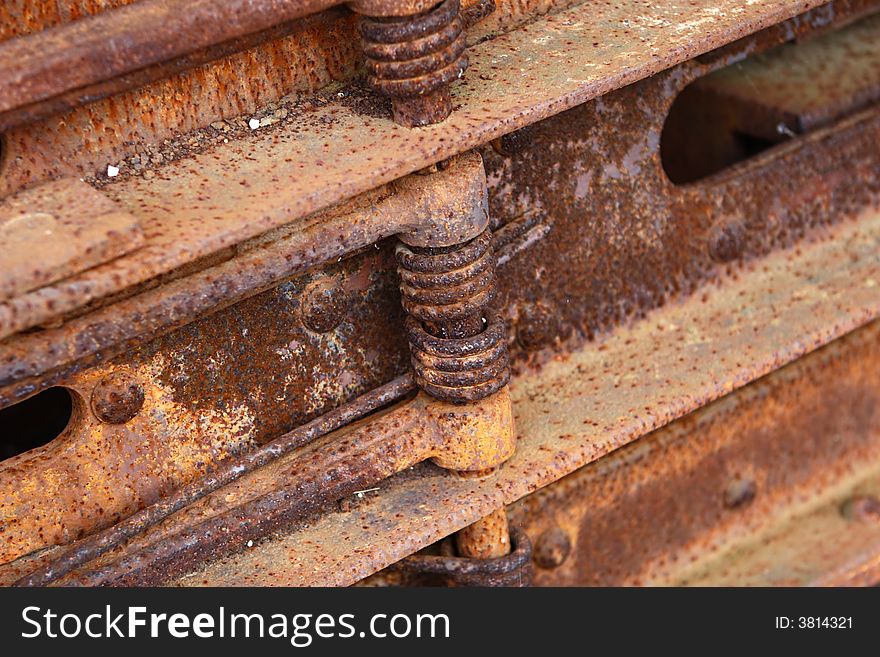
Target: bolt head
(325,304)
(740,492)
(537,326)
(117,398)
(727,239)
(552,548)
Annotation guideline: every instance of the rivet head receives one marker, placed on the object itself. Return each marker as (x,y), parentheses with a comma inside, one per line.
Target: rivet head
(552,548)
(324,306)
(117,398)
(740,492)
(727,239)
(861,508)
(537,326)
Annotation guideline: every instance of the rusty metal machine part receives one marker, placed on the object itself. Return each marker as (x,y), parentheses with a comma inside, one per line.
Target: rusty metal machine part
(444,207)
(657,243)
(97,544)
(478,442)
(414,59)
(288,486)
(795,301)
(139,43)
(110,45)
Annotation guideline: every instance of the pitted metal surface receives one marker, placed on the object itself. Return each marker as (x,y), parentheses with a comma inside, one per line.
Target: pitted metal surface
(263,295)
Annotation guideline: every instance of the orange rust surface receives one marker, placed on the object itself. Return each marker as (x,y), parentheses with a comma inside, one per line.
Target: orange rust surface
(249,198)
(84,140)
(95,473)
(586,405)
(475,436)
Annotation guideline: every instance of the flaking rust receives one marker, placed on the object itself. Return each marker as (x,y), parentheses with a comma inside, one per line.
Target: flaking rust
(245,315)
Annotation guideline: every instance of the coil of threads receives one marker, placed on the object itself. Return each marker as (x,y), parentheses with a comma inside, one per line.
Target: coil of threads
(459,354)
(414,59)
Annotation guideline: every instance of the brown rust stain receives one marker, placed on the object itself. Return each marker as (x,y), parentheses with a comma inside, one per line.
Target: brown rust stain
(651,508)
(21,17)
(96,473)
(84,140)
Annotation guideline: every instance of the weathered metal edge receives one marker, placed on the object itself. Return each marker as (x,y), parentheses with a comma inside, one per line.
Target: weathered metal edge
(789,552)
(580,408)
(333,153)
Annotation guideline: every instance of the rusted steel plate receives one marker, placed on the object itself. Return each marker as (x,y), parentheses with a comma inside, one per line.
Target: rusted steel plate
(250,348)
(804,86)
(261,372)
(128,38)
(100,542)
(59,229)
(153,123)
(580,408)
(672,502)
(169,117)
(818,545)
(588,186)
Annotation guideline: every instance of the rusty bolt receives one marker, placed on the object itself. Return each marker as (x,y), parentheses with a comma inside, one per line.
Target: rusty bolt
(740,492)
(414,60)
(117,398)
(727,239)
(552,548)
(537,326)
(861,508)
(324,305)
